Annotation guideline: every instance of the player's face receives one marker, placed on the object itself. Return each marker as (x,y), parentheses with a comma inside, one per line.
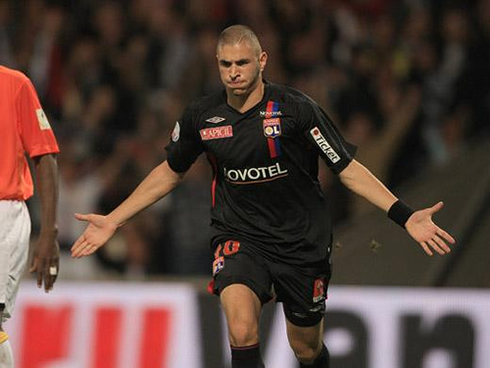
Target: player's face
(240,67)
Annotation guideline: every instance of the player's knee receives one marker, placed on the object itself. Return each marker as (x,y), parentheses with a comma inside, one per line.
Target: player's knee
(306,352)
(243,333)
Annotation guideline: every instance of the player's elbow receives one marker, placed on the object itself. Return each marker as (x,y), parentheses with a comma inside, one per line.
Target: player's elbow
(349,174)
(169,175)
(355,176)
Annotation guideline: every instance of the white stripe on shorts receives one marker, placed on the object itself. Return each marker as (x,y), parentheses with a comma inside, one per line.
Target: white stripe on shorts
(15,230)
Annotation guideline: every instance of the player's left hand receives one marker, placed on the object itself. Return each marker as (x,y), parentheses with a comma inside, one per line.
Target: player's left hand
(46,261)
(425,232)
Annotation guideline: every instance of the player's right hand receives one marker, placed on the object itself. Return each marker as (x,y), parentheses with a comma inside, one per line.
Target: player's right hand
(99,230)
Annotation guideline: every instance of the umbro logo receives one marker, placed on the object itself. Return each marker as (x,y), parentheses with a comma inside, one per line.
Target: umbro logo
(215,119)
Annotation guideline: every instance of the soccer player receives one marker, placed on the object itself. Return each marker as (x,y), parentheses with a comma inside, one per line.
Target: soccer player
(269,219)
(24,128)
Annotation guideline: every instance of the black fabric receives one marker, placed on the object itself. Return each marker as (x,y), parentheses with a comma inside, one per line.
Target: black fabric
(302,319)
(265,186)
(399,212)
(322,361)
(301,289)
(246,357)
(243,267)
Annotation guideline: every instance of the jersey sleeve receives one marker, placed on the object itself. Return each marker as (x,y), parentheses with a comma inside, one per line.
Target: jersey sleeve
(35,131)
(317,127)
(185,144)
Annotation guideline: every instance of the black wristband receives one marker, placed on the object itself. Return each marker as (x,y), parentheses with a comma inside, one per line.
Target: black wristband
(399,212)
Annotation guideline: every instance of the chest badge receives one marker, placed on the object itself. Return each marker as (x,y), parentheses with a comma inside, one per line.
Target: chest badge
(272,127)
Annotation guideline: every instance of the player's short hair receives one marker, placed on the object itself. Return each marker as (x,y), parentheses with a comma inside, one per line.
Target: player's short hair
(236,34)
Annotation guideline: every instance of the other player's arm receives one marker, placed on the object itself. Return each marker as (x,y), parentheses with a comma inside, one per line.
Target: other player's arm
(46,253)
(161,181)
(419,224)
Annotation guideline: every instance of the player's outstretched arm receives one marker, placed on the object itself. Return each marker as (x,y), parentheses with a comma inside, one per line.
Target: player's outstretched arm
(419,224)
(161,181)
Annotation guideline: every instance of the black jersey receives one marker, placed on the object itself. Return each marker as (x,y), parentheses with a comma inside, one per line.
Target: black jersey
(265,187)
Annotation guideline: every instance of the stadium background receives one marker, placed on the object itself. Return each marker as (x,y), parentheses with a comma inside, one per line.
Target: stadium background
(407,81)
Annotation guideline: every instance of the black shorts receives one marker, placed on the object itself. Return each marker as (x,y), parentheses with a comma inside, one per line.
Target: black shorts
(301,289)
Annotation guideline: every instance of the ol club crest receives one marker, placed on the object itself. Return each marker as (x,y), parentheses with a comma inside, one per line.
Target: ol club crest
(272,127)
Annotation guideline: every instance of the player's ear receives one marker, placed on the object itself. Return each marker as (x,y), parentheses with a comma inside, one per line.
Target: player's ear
(263,60)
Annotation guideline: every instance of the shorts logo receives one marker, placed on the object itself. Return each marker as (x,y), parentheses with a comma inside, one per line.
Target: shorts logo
(272,127)
(42,120)
(225,131)
(324,145)
(227,248)
(318,290)
(215,119)
(176,132)
(218,265)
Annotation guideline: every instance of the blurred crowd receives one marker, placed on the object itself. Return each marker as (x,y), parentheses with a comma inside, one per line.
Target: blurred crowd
(407,81)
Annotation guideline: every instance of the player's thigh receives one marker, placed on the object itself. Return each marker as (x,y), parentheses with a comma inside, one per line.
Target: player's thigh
(242,309)
(242,281)
(239,300)
(15,227)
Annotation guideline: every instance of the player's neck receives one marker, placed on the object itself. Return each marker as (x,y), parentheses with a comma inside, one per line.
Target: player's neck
(245,102)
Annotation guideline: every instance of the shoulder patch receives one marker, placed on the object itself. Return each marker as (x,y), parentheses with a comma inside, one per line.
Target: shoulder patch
(42,120)
(324,145)
(176,132)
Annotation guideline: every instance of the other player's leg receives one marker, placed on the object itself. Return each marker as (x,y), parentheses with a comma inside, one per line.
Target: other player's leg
(6,355)
(15,228)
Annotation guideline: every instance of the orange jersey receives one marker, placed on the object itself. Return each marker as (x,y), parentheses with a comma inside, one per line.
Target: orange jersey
(24,128)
